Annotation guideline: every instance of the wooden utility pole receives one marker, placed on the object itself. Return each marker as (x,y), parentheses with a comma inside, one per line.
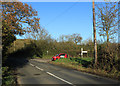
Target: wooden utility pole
(118,29)
(94,32)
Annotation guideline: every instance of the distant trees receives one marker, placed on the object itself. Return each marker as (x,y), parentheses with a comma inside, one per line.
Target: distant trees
(17,19)
(107,19)
(41,34)
(75,38)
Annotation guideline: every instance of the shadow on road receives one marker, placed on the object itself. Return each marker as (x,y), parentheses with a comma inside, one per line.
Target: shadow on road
(17,59)
(21,57)
(16,62)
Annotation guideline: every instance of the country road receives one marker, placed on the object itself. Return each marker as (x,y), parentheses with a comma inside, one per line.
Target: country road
(41,72)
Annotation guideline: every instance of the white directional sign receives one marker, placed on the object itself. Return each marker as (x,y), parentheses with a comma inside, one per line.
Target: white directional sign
(82,52)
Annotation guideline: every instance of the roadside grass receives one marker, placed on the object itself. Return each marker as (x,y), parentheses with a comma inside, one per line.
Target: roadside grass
(84,65)
(74,62)
(8,77)
(86,58)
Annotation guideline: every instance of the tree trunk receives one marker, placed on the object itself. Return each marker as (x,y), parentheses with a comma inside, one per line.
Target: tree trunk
(107,37)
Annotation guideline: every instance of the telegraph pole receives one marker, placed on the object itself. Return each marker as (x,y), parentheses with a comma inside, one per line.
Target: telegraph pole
(118,29)
(94,32)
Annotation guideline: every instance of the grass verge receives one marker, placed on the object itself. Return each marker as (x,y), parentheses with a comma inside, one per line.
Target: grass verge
(83,64)
(8,77)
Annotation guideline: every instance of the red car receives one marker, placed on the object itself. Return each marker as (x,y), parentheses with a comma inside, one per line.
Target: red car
(58,56)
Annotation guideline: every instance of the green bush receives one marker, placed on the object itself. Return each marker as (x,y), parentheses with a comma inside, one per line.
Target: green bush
(28,51)
(7,77)
(107,59)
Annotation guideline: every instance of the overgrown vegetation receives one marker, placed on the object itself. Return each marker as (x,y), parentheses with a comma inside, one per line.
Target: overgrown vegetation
(108,59)
(8,77)
(85,65)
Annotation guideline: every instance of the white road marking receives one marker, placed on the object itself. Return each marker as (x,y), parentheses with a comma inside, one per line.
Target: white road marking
(59,78)
(31,64)
(52,75)
(39,68)
(36,67)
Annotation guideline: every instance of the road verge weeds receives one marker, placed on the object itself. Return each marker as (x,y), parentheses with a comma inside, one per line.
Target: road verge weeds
(85,66)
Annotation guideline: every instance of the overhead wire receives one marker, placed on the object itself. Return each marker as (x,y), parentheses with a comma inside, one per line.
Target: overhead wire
(61,13)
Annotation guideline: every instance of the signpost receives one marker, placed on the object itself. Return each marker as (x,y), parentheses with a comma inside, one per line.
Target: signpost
(82,52)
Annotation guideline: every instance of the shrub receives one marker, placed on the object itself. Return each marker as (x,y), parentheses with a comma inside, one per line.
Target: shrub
(107,55)
(7,77)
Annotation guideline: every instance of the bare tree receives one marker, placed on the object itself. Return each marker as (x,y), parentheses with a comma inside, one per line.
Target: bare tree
(107,19)
(77,38)
(41,34)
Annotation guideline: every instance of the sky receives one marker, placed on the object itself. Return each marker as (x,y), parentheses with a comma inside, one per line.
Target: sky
(65,18)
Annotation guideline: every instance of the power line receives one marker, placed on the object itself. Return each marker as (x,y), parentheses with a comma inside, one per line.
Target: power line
(61,13)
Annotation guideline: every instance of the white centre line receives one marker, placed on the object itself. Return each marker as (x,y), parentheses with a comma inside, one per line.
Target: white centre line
(39,68)
(53,75)
(59,78)
(36,67)
(31,64)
